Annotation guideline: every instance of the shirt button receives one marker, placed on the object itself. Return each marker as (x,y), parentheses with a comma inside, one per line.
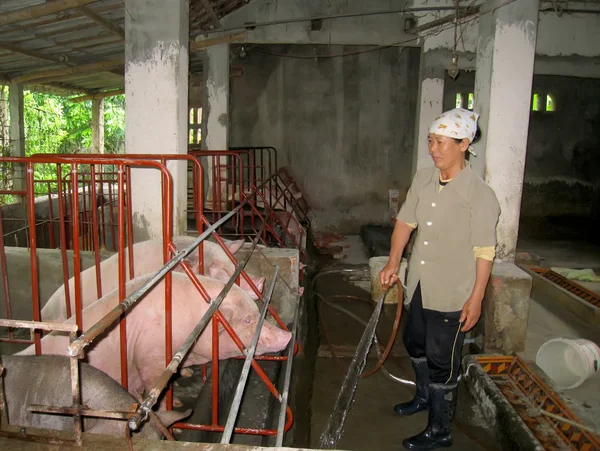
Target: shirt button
(425,243)
(433,204)
(429,223)
(422,262)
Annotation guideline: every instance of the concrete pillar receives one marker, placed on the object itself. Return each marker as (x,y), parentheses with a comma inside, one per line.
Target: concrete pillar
(505,310)
(156,120)
(505,57)
(215,120)
(430,105)
(17,133)
(98,125)
(504,74)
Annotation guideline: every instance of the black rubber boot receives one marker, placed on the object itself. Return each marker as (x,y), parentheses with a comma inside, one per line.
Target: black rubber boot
(438,434)
(420,401)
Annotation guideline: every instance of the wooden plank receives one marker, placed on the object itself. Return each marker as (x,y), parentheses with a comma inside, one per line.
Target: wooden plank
(45,9)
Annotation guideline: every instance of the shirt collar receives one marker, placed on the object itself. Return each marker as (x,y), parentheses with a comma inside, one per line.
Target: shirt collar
(460,183)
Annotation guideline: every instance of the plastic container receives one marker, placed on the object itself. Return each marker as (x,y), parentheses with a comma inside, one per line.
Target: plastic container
(376,264)
(568,362)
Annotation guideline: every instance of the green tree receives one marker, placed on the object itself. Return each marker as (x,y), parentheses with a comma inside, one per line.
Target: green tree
(56,124)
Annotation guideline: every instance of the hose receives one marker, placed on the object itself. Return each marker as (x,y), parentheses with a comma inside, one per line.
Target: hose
(382,358)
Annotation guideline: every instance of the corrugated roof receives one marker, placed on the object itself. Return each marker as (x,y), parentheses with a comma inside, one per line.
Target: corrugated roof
(46,46)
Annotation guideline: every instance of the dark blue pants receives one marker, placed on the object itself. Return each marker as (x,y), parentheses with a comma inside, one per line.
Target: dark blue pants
(436,336)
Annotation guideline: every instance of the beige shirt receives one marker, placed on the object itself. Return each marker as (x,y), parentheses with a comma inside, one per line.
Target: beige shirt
(450,223)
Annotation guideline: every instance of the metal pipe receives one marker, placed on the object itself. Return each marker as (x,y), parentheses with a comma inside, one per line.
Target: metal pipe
(76,251)
(95,233)
(58,410)
(4,269)
(287,377)
(62,327)
(35,293)
(241,386)
(63,238)
(51,214)
(122,276)
(76,394)
(142,412)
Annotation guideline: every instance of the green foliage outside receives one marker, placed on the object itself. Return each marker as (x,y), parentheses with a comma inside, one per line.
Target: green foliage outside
(55,124)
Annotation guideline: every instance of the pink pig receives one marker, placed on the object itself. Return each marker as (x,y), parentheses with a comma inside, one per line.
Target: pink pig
(145,330)
(148,258)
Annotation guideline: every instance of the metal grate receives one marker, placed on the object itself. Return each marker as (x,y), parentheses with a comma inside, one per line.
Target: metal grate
(528,394)
(569,285)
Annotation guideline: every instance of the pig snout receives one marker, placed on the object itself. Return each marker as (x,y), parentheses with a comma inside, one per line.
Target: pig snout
(272,339)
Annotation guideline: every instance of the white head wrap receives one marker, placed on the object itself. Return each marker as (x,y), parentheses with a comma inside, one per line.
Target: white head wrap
(457,123)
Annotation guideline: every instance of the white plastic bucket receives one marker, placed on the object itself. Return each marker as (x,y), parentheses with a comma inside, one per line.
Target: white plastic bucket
(568,362)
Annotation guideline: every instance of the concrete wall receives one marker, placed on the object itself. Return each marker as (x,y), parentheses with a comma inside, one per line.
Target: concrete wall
(343,125)
(566,45)
(561,193)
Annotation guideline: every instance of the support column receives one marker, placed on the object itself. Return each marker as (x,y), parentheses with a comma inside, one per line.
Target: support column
(430,105)
(98,125)
(505,58)
(17,133)
(215,121)
(156,86)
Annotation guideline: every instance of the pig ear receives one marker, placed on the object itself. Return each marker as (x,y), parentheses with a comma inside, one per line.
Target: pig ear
(172,416)
(234,246)
(218,273)
(227,313)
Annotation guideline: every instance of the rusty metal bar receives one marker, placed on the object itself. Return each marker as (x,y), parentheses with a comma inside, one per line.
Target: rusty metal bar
(76,394)
(84,412)
(4,269)
(150,400)
(35,292)
(95,231)
(63,238)
(241,386)
(287,377)
(15,323)
(76,250)
(51,214)
(84,340)
(122,277)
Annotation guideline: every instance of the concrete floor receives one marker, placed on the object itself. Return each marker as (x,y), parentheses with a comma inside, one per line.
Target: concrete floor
(371,422)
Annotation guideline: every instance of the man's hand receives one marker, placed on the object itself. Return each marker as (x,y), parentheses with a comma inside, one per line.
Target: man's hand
(470,314)
(388,275)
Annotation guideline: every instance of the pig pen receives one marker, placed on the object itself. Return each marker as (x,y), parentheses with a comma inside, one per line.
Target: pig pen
(32,274)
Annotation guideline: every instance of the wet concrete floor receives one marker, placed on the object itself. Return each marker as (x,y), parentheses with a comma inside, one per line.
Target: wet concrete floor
(371,423)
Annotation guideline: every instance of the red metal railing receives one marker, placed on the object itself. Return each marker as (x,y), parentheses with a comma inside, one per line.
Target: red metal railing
(271,196)
(67,191)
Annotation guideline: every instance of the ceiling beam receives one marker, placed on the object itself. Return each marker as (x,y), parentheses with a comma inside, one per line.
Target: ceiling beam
(211,13)
(201,45)
(99,95)
(33,12)
(106,24)
(32,53)
(48,75)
